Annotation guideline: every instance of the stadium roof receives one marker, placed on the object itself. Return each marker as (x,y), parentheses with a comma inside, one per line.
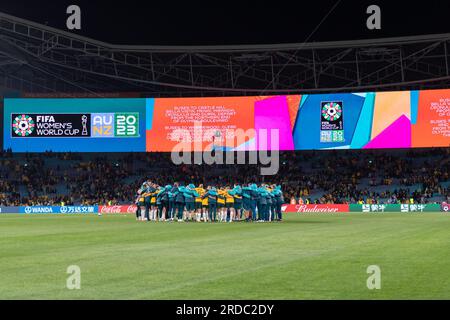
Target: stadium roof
(39,58)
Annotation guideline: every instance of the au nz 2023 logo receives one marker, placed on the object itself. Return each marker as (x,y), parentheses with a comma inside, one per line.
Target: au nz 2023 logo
(115,125)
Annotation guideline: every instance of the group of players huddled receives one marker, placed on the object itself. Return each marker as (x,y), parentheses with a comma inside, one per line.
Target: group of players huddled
(225,204)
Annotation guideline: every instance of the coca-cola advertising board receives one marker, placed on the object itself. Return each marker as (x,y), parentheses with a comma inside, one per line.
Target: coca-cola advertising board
(119,209)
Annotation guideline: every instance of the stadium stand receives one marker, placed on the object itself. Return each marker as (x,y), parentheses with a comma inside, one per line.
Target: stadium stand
(378,176)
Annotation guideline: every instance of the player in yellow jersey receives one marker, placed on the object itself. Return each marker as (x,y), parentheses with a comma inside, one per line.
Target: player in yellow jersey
(205,206)
(229,204)
(147,194)
(198,202)
(140,202)
(222,210)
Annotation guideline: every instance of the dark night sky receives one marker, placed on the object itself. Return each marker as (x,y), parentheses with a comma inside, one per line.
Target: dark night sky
(232,22)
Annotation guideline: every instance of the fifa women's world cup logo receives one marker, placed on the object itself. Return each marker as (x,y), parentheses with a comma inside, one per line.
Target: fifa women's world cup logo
(332,122)
(331,111)
(23,125)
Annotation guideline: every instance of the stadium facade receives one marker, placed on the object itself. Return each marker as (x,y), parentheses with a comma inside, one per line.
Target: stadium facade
(38,59)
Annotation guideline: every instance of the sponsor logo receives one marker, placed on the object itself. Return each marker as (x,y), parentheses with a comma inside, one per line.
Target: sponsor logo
(403,208)
(59,210)
(78,209)
(417,207)
(38,210)
(366,208)
(118,209)
(316,208)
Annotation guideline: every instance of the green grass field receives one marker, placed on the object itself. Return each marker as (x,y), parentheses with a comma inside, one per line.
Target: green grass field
(310,256)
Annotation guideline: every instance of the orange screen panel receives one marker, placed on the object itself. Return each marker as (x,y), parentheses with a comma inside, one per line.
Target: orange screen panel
(432,128)
(217,115)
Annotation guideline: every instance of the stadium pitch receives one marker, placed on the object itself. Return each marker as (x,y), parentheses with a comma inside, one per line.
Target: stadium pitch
(308,256)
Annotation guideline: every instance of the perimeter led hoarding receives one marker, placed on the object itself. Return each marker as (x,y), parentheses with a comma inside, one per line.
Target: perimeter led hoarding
(403,119)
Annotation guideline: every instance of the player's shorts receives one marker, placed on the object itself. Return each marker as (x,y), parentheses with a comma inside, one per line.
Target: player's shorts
(237,205)
(190,206)
(205,206)
(198,205)
(246,206)
(220,205)
(165,204)
(229,205)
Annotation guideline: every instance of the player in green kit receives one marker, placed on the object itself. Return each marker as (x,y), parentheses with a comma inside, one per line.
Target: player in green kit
(237,194)
(212,196)
(189,198)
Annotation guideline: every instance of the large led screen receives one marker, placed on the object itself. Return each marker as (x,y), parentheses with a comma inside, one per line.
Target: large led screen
(403,119)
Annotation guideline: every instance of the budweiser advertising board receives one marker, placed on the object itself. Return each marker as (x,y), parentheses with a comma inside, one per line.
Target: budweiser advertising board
(316,208)
(127,209)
